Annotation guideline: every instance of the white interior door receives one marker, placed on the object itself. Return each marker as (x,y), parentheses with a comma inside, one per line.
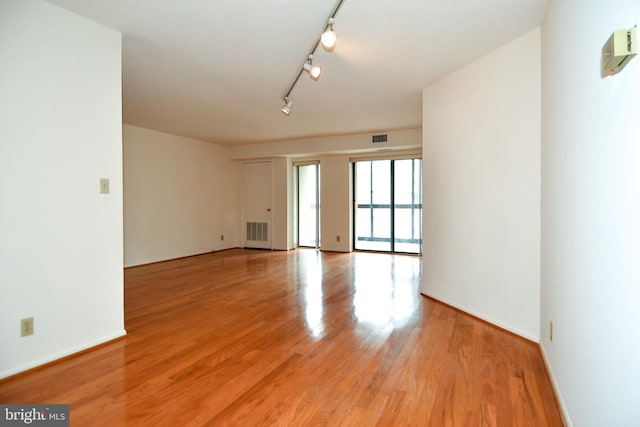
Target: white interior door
(256,204)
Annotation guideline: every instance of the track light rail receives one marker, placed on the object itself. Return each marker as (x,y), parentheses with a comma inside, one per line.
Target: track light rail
(306,65)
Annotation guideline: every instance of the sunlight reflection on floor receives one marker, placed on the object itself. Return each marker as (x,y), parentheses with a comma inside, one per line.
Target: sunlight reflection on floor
(386,289)
(313,297)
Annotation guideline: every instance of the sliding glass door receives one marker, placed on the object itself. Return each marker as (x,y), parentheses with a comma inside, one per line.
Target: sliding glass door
(388,205)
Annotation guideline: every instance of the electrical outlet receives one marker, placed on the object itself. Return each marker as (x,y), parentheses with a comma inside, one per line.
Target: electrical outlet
(337,238)
(551,331)
(26,327)
(222,237)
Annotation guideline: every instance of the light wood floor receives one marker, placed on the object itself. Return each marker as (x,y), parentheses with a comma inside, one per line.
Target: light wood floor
(299,338)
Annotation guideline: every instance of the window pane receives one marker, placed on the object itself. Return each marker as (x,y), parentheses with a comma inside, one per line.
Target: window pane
(378,237)
(372,245)
(403,181)
(403,224)
(363,182)
(382,224)
(410,248)
(363,222)
(417,181)
(381,183)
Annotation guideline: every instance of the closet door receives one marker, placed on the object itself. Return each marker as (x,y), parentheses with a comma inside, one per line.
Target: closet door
(256,205)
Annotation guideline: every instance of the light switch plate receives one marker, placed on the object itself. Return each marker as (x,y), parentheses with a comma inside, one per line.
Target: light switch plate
(104,185)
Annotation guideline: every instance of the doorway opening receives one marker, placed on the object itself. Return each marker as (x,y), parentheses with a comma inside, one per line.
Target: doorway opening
(308,206)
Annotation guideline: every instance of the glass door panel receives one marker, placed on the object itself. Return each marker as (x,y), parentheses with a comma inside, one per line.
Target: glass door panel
(407,206)
(308,206)
(373,205)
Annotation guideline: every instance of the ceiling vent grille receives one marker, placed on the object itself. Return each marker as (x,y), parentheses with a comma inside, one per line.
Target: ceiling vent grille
(376,139)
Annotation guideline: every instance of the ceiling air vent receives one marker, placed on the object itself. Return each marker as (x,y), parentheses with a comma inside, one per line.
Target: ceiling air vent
(379,138)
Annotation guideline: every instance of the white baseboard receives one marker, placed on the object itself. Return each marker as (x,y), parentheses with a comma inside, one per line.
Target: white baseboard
(59,355)
(484,317)
(563,408)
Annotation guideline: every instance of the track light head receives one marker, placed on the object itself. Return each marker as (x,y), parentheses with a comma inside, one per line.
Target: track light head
(313,70)
(329,38)
(286,108)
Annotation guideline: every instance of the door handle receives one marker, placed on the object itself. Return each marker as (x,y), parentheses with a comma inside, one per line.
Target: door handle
(268,209)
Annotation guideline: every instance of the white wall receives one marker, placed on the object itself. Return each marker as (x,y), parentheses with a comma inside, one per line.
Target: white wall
(282,207)
(60,132)
(180,196)
(591,214)
(481,173)
(335,203)
(397,140)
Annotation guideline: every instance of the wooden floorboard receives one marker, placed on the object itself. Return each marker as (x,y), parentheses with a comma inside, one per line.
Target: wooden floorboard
(297,338)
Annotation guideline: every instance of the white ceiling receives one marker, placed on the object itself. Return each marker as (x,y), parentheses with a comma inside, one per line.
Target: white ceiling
(217,70)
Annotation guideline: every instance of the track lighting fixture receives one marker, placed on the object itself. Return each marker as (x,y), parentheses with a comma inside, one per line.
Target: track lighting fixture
(328,39)
(313,70)
(286,108)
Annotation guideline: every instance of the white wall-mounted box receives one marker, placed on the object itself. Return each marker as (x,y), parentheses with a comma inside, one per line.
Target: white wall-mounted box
(621,47)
